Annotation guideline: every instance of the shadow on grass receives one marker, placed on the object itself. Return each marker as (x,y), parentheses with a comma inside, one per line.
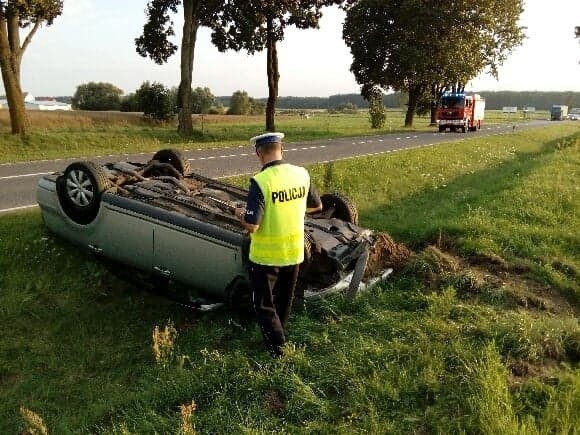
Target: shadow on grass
(419,219)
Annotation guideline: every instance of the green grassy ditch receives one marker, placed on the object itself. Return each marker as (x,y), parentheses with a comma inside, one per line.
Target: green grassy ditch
(477,333)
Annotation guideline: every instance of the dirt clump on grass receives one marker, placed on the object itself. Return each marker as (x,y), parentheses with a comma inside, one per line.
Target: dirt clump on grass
(521,371)
(385,253)
(274,402)
(487,277)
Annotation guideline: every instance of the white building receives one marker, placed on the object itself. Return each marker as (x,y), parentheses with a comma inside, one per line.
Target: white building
(44,103)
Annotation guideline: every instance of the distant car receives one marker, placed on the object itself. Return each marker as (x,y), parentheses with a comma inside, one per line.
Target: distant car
(574,116)
(179,227)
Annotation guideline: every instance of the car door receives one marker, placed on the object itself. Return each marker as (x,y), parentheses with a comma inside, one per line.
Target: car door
(195,254)
(123,233)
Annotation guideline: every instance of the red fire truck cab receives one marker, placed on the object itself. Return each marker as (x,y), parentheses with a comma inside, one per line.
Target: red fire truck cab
(458,110)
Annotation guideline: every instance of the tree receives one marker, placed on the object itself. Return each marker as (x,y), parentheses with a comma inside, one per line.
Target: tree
(377,113)
(255,25)
(457,41)
(155,101)
(240,103)
(154,42)
(129,103)
(97,96)
(16,15)
(257,107)
(202,100)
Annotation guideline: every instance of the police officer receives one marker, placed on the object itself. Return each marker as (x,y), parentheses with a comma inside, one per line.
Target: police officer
(279,196)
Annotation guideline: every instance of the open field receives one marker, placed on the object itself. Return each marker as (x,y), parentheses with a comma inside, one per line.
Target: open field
(76,134)
(478,333)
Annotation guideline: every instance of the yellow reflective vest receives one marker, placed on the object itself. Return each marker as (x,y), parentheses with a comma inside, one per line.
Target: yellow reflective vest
(279,241)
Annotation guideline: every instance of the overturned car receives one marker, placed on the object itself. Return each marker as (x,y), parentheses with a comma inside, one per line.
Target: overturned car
(179,227)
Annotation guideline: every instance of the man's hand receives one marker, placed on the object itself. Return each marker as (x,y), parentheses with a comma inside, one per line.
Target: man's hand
(239,213)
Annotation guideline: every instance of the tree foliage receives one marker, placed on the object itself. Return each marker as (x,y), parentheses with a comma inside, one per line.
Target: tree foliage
(97,96)
(155,42)
(129,103)
(155,101)
(377,113)
(17,15)
(412,45)
(202,100)
(241,103)
(254,25)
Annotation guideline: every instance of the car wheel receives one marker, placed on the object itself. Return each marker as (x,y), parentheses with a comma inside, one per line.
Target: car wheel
(342,207)
(174,158)
(441,129)
(79,191)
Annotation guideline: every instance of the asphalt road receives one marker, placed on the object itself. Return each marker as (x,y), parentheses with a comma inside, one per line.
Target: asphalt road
(18,180)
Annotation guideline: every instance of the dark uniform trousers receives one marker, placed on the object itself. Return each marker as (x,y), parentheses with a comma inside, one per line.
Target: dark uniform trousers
(272,293)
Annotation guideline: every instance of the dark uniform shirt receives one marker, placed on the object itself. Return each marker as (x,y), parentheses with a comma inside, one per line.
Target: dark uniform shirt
(255,205)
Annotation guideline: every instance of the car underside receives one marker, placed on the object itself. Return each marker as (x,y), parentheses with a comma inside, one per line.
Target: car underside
(177,226)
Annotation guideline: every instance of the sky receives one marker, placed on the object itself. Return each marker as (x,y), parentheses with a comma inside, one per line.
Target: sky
(94,41)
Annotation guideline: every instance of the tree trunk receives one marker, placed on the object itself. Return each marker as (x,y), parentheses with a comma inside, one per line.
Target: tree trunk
(273,77)
(414,94)
(435,91)
(190,26)
(10,58)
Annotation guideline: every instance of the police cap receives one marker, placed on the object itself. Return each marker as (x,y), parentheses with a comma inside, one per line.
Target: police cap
(266,138)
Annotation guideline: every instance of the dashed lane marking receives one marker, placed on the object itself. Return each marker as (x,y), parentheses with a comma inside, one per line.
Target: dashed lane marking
(228,156)
(23,207)
(9,177)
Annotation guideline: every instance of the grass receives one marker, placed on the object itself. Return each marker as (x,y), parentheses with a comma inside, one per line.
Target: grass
(78,134)
(477,334)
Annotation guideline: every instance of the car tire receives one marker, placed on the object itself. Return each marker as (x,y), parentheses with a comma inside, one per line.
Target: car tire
(441,129)
(175,158)
(79,191)
(344,209)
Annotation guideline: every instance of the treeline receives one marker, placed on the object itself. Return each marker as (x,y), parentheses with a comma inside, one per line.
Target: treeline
(539,100)
(203,101)
(329,103)
(494,100)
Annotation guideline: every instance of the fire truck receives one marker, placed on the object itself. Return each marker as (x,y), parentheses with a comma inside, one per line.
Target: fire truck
(460,111)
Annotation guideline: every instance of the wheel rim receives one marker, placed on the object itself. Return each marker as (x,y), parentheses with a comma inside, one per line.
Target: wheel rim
(79,188)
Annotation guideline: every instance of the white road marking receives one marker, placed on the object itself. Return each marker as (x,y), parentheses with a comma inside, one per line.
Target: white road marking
(9,177)
(23,207)
(227,156)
